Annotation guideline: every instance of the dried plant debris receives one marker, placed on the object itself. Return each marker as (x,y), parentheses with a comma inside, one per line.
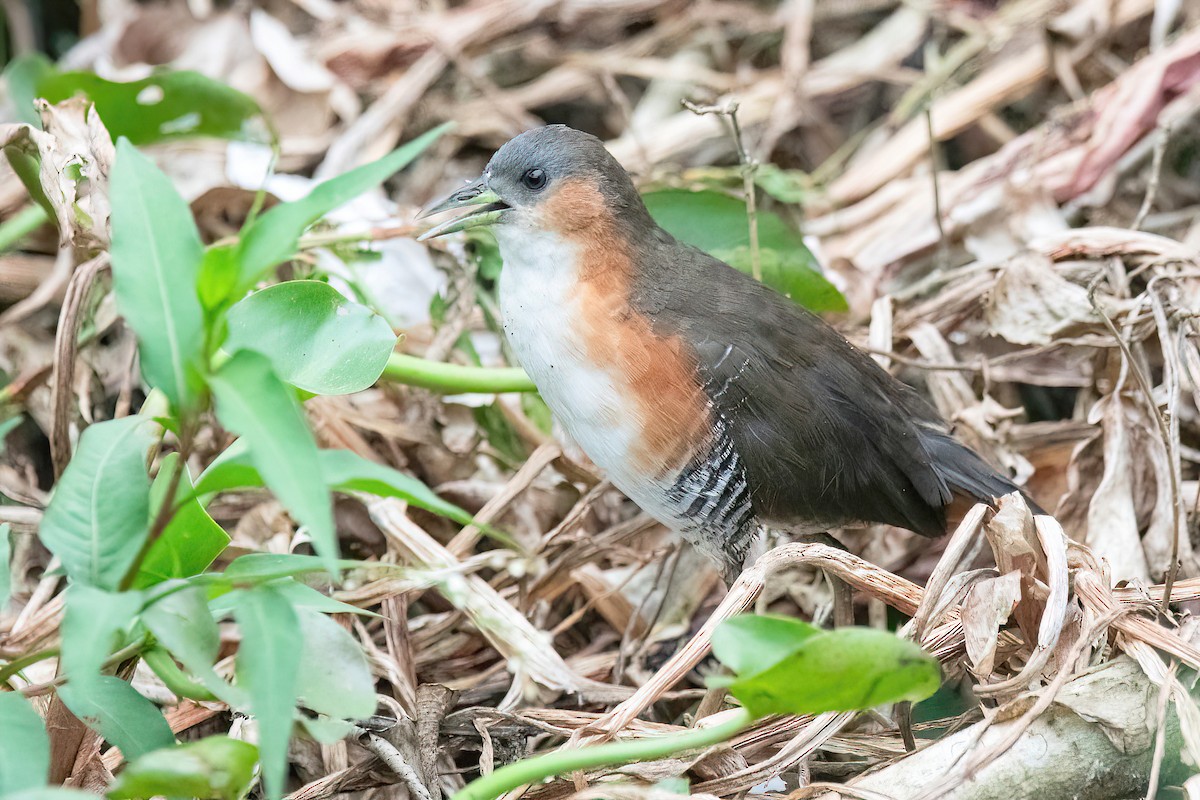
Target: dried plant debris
(1004,198)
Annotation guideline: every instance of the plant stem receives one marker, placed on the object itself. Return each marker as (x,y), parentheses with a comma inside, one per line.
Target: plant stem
(452,378)
(534,770)
(20,225)
(16,665)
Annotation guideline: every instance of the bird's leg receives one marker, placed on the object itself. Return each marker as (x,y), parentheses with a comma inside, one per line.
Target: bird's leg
(843,593)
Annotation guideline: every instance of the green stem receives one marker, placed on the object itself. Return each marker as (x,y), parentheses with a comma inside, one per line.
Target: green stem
(454,379)
(16,665)
(535,770)
(20,225)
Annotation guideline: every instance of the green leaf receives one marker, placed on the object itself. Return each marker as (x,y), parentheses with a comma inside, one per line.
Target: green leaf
(273,237)
(261,567)
(315,338)
(229,470)
(189,542)
(23,76)
(334,677)
(98,518)
(5,564)
(173,677)
(267,669)
(300,595)
(218,275)
(156,254)
(326,730)
(167,105)
(182,622)
(751,643)
(214,768)
(303,596)
(112,708)
(791,274)
(716,221)
(254,403)
(347,471)
(718,224)
(24,745)
(90,625)
(791,670)
(785,185)
(342,471)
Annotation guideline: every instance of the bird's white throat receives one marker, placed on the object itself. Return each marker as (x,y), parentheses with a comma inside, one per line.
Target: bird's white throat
(543,321)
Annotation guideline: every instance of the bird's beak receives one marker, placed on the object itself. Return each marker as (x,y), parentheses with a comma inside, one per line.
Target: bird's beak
(487,210)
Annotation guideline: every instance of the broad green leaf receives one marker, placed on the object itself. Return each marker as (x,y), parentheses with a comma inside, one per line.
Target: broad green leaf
(790,274)
(751,643)
(166,105)
(273,237)
(267,669)
(23,76)
(182,622)
(24,745)
(5,564)
(189,542)
(718,224)
(229,470)
(846,669)
(215,768)
(112,708)
(156,253)
(254,403)
(342,471)
(334,677)
(714,220)
(315,338)
(90,625)
(98,518)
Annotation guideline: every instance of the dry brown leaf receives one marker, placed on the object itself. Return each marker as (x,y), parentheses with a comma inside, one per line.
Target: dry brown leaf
(987,607)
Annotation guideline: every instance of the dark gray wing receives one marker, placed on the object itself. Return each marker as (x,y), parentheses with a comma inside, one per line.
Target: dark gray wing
(826,436)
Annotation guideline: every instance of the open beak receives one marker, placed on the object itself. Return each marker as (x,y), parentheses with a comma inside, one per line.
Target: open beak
(486,208)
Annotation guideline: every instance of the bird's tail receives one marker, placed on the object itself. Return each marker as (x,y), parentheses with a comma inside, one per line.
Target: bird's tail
(967,473)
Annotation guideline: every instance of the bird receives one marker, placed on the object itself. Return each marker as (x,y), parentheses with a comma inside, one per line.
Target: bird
(716,404)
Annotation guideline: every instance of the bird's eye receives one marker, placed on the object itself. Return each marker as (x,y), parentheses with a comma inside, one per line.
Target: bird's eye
(534,179)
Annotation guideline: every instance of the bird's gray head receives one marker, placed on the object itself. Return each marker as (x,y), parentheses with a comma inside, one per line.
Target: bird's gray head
(550,178)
